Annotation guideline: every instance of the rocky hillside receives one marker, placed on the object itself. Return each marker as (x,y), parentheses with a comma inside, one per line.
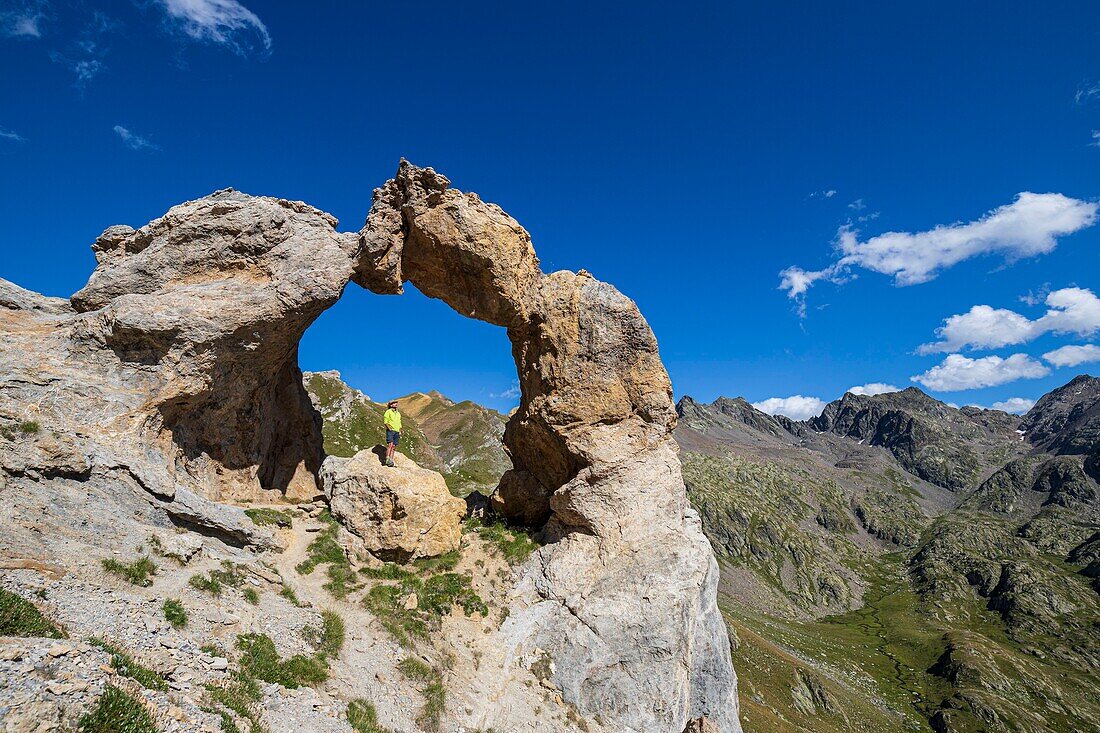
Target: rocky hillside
(896,564)
(461,440)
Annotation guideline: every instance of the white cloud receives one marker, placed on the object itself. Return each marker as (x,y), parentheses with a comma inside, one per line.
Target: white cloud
(823,194)
(11,135)
(857,205)
(958,372)
(1027,227)
(795,407)
(1087,92)
(1073,355)
(874,388)
(1095,139)
(85,55)
(1016,405)
(510,394)
(1070,310)
(133,140)
(224,22)
(24,19)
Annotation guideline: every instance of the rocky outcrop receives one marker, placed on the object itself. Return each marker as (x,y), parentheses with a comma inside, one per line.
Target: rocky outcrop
(174,372)
(1067,420)
(396,514)
(592,455)
(932,440)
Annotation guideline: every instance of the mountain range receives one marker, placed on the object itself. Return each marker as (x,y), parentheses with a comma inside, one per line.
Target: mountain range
(898,564)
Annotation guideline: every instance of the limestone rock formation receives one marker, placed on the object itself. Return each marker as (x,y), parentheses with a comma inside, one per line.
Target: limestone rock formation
(399,513)
(172,379)
(624,596)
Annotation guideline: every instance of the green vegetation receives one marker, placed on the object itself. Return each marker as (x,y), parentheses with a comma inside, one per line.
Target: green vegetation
(175,613)
(431,688)
(259,658)
(117,712)
(240,695)
(363,718)
(439,563)
(215,581)
(138,572)
(20,617)
(434,595)
(127,667)
(325,550)
(266,517)
(251,595)
(288,593)
(514,544)
(29,427)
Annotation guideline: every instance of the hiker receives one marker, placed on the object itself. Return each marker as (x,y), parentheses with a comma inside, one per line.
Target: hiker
(392,420)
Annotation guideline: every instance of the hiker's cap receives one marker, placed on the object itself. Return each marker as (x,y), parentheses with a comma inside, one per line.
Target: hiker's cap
(392,403)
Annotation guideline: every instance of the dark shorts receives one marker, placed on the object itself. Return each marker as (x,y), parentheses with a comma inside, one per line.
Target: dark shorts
(392,436)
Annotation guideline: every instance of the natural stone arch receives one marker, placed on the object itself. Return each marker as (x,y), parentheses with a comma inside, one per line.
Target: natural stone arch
(203,310)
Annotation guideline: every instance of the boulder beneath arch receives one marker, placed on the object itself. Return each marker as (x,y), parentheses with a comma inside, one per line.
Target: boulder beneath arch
(173,376)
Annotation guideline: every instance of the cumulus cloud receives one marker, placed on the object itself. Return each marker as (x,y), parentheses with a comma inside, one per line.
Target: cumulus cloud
(23,19)
(133,140)
(222,22)
(874,388)
(1029,226)
(1073,355)
(1015,405)
(795,407)
(1070,310)
(958,372)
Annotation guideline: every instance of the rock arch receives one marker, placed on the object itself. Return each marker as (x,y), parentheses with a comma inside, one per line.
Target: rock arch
(198,316)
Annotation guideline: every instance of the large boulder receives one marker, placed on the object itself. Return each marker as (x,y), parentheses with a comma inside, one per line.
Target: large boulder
(395,513)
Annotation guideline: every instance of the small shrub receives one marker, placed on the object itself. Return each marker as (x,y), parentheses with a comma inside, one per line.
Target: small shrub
(515,545)
(206,584)
(117,712)
(441,563)
(138,572)
(175,613)
(239,694)
(251,596)
(329,639)
(29,427)
(288,593)
(267,517)
(127,667)
(20,617)
(435,694)
(363,718)
(259,659)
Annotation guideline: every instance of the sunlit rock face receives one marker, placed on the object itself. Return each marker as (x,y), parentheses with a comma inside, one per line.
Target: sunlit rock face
(173,374)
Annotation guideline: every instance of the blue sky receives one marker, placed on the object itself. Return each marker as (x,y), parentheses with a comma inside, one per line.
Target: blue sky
(689,154)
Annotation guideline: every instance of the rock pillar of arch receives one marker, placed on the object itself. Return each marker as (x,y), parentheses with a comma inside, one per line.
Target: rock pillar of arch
(624,596)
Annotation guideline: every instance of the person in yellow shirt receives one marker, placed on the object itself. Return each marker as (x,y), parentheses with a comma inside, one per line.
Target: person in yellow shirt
(392,420)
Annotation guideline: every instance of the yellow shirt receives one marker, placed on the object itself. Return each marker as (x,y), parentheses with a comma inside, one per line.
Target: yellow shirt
(392,420)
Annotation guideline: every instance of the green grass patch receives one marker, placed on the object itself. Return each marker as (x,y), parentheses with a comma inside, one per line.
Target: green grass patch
(125,665)
(20,617)
(268,517)
(139,572)
(215,581)
(288,593)
(363,718)
(435,596)
(324,548)
(514,544)
(342,580)
(251,596)
(260,659)
(431,688)
(389,571)
(175,613)
(117,711)
(240,694)
(29,427)
(438,564)
(329,638)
